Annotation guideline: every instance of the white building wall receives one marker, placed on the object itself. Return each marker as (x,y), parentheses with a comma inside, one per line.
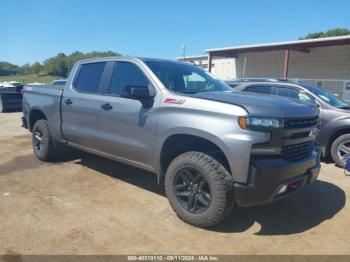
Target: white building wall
(222,67)
(201,61)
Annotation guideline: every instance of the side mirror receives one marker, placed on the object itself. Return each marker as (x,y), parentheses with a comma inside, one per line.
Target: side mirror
(140,93)
(317,103)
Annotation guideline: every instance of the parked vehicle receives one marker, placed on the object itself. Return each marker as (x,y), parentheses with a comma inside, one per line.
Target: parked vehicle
(11,98)
(334,135)
(214,148)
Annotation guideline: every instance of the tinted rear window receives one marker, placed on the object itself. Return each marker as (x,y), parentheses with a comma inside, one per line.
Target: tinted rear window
(268,90)
(89,77)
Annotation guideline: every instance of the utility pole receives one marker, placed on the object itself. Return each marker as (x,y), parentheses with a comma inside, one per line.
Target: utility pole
(244,65)
(183,52)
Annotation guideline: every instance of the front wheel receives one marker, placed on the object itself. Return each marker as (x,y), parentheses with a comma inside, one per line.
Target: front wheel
(199,189)
(340,150)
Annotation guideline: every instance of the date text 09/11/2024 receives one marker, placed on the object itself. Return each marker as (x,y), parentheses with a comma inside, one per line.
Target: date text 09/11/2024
(173,258)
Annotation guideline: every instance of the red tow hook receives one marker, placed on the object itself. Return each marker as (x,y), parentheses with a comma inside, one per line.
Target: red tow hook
(293,186)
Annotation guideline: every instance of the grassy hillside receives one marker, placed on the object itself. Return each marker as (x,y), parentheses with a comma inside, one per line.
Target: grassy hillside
(46,79)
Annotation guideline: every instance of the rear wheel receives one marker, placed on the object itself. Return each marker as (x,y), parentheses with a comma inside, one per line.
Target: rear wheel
(43,145)
(340,150)
(198,189)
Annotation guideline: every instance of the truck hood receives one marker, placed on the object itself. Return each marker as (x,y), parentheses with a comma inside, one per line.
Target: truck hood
(262,105)
(344,110)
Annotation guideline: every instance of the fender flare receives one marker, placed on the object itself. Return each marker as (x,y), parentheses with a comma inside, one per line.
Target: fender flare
(183,131)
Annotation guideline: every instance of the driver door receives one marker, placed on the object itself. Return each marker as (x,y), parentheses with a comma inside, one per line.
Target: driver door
(127,128)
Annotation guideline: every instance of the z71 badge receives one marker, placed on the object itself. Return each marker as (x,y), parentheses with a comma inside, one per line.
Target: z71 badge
(174,101)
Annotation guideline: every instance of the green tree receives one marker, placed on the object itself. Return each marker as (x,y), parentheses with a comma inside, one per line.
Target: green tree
(8,69)
(328,33)
(36,68)
(61,64)
(24,69)
(56,65)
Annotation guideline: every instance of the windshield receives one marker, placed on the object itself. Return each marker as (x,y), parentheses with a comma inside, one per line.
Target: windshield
(327,97)
(186,78)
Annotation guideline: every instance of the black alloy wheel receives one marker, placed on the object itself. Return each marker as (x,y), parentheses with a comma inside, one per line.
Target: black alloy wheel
(192,190)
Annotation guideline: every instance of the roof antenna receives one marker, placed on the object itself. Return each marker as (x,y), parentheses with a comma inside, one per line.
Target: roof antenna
(183,52)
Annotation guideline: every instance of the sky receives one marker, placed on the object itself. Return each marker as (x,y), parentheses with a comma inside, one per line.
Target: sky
(35,30)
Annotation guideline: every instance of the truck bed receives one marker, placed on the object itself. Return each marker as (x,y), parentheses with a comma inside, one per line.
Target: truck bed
(43,87)
(47,98)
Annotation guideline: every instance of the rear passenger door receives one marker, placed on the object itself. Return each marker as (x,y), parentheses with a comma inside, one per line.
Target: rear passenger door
(127,128)
(81,105)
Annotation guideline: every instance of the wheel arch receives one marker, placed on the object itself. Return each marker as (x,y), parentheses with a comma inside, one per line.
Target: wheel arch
(339,132)
(35,115)
(177,143)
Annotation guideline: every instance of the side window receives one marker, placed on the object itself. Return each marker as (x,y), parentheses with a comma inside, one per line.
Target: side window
(89,77)
(305,97)
(268,90)
(288,92)
(126,74)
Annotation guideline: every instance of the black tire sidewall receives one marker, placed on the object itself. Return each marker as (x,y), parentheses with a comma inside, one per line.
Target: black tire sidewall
(218,189)
(334,149)
(43,127)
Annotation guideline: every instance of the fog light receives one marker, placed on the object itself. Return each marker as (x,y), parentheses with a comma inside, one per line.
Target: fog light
(283,189)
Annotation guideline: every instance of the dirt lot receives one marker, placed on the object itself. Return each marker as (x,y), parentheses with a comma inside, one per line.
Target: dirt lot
(90,205)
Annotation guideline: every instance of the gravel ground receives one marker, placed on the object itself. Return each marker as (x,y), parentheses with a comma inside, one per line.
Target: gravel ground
(89,205)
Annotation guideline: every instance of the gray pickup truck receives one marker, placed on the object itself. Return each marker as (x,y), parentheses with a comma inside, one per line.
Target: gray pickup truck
(212,148)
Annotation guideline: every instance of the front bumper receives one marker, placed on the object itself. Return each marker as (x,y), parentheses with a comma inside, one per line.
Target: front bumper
(270,176)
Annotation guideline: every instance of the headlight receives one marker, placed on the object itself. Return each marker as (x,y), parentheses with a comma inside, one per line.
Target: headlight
(257,122)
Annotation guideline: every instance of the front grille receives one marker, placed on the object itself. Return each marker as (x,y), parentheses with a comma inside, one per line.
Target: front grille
(301,122)
(300,135)
(297,151)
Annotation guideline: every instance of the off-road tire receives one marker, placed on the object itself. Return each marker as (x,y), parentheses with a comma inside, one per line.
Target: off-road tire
(219,181)
(48,152)
(334,149)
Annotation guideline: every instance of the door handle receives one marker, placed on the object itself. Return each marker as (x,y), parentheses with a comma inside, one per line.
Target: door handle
(68,101)
(106,107)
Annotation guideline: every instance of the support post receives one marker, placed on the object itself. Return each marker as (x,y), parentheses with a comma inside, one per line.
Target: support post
(210,58)
(286,64)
